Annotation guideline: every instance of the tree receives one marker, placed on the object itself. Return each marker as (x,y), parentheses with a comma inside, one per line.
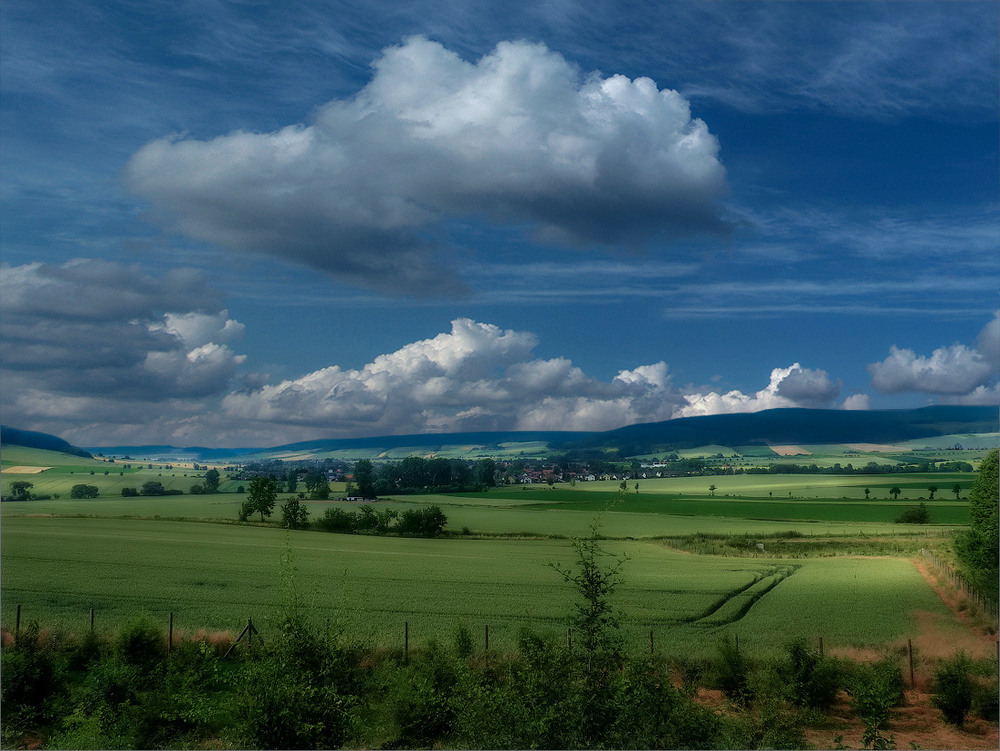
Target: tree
(84,491)
(292,481)
(294,515)
(486,470)
(152,487)
(19,490)
(977,547)
(932,490)
(894,492)
(364,478)
(262,496)
(212,481)
(868,492)
(425,522)
(711,489)
(957,490)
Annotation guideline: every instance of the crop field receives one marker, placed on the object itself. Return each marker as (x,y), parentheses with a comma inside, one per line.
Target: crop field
(214,576)
(185,554)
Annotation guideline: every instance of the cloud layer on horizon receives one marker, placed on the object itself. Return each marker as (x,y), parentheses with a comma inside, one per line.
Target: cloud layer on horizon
(104,353)
(519,138)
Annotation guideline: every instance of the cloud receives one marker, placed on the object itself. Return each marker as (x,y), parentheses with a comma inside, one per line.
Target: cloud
(952,371)
(76,336)
(857,402)
(481,377)
(520,136)
(793,386)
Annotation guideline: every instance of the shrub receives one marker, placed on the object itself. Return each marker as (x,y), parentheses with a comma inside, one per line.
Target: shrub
(917,515)
(732,673)
(811,681)
(952,690)
(463,642)
(82,490)
(141,643)
(875,689)
(425,710)
(32,683)
(337,520)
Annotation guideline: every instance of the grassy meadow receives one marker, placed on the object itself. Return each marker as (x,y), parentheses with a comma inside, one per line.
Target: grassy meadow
(185,554)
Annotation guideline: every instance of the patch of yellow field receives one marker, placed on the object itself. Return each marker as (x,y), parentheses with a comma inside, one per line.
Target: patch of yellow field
(876,447)
(25,470)
(789,450)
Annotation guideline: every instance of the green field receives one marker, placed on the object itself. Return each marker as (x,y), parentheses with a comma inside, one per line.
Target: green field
(185,554)
(214,576)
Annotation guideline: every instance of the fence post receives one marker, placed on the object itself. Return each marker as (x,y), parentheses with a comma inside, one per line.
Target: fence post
(250,630)
(17,624)
(650,642)
(909,643)
(487,637)
(569,639)
(91,620)
(170,638)
(406,641)
(821,647)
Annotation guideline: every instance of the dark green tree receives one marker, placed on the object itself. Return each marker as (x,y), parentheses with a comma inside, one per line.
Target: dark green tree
(262,496)
(932,490)
(294,515)
(364,478)
(20,490)
(84,491)
(292,481)
(486,470)
(894,492)
(977,547)
(212,480)
(152,487)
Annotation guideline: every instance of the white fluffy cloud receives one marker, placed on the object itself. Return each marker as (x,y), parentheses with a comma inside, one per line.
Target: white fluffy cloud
(793,386)
(518,136)
(480,377)
(958,373)
(77,336)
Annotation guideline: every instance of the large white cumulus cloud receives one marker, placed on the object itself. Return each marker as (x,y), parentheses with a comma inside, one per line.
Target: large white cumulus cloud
(518,136)
(481,377)
(957,372)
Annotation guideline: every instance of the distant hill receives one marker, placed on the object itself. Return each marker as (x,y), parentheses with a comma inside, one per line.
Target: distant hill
(798,426)
(35,440)
(775,426)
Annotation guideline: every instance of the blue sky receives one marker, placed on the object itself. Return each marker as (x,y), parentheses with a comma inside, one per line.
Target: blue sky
(246,223)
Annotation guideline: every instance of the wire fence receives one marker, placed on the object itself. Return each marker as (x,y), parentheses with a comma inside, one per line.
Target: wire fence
(986,602)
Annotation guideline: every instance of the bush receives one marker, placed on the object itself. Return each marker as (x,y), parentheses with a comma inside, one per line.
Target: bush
(337,520)
(81,490)
(875,689)
(425,522)
(917,515)
(141,643)
(732,673)
(811,681)
(953,689)
(32,683)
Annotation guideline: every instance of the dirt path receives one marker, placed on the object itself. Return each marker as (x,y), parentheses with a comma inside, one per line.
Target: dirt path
(934,640)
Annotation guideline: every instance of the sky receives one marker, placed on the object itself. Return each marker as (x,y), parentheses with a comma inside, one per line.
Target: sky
(243,223)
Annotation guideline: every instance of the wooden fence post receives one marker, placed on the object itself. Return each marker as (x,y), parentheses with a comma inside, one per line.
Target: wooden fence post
(909,643)
(651,642)
(17,623)
(487,637)
(821,647)
(406,641)
(569,639)
(170,638)
(91,620)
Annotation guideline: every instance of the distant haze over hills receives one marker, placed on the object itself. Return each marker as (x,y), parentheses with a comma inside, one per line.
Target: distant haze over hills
(776,426)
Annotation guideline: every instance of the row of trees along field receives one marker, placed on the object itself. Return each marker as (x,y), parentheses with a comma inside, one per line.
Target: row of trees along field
(977,548)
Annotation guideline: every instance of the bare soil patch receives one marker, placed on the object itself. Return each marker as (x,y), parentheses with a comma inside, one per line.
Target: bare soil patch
(789,450)
(21,470)
(877,447)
